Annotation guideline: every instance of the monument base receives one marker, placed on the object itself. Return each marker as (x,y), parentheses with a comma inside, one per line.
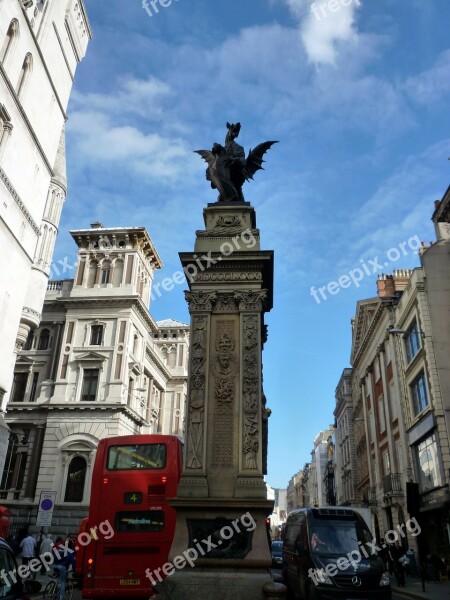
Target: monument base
(220,550)
(203,583)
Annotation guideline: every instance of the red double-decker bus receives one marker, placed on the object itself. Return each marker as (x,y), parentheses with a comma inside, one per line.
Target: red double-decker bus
(133,477)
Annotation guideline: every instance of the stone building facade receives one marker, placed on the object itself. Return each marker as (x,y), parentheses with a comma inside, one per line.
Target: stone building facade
(41,45)
(400,389)
(97,366)
(345,455)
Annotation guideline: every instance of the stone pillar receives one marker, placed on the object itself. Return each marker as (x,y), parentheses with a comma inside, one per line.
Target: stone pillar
(222,500)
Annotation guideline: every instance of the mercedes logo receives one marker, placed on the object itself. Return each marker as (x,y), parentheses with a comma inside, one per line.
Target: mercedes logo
(356,580)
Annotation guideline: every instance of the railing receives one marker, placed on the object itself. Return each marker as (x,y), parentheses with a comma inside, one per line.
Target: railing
(372,495)
(54,286)
(392,485)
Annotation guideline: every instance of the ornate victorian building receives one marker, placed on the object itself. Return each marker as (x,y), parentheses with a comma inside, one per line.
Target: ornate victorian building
(97,366)
(41,45)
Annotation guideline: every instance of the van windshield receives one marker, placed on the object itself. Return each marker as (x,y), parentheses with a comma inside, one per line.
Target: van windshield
(339,538)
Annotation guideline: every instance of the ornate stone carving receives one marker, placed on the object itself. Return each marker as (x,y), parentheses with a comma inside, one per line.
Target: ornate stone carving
(225,303)
(12,190)
(251,299)
(200,301)
(226,226)
(250,392)
(197,394)
(229,276)
(225,370)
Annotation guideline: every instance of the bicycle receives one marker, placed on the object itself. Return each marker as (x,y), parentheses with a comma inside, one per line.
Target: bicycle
(53,588)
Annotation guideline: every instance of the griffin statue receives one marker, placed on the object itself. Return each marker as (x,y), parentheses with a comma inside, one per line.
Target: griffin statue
(228,169)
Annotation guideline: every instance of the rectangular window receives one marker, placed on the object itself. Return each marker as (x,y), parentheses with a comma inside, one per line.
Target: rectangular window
(96,335)
(419,394)
(386,463)
(90,385)
(412,341)
(19,386)
(34,387)
(381,416)
(399,458)
(428,464)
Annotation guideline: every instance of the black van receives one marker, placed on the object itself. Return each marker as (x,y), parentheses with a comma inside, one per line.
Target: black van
(328,555)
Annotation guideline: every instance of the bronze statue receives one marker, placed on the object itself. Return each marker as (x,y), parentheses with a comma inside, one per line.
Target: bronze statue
(228,169)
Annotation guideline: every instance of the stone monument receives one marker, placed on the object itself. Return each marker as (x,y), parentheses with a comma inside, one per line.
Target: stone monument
(221,548)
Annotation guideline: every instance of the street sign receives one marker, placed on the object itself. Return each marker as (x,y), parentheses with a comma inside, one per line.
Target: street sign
(45,511)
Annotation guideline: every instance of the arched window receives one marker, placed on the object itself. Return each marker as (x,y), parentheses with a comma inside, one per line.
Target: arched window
(106,270)
(92,273)
(44,339)
(11,37)
(76,476)
(118,273)
(29,343)
(27,67)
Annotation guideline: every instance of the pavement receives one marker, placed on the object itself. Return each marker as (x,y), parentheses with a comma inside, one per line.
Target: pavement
(434,590)
(412,589)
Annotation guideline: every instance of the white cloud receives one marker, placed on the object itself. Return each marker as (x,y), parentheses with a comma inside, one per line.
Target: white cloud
(142,97)
(432,85)
(101,134)
(324,26)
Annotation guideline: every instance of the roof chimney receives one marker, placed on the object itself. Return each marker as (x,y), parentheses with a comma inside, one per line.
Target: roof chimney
(389,285)
(97,225)
(385,286)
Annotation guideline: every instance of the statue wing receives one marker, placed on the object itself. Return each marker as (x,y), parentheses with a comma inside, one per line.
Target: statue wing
(208,156)
(255,159)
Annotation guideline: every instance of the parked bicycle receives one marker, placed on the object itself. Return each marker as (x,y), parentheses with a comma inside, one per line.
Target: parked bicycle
(53,588)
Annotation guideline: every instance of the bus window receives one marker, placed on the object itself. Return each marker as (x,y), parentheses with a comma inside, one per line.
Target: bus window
(142,456)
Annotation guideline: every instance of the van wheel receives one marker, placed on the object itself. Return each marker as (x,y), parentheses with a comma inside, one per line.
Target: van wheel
(290,595)
(309,594)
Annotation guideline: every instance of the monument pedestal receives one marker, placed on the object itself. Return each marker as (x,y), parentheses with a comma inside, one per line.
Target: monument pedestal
(222,498)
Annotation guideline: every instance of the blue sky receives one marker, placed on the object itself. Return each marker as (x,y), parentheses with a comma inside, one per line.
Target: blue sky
(359,99)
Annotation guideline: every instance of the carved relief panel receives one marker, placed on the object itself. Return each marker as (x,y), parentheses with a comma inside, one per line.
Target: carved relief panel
(224,372)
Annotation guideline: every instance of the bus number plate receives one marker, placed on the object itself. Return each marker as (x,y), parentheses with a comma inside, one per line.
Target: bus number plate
(130,582)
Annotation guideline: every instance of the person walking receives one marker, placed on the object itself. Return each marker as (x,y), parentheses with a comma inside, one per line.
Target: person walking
(27,546)
(398,553)
(64,559)
(46,546)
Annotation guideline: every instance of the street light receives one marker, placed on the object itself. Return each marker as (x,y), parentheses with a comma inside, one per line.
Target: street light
(398,331)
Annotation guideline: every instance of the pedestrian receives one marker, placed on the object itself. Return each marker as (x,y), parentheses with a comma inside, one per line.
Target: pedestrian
(64,559)
(27,546)
(46,546)
(384,554)
(397,553)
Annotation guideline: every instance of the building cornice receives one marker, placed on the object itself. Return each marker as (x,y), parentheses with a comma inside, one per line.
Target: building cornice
(33,407)
(383,303)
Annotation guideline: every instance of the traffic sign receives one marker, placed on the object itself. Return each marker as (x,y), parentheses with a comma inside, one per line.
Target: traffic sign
(45,511)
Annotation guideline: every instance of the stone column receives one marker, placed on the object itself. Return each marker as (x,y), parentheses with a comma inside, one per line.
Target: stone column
(222,498)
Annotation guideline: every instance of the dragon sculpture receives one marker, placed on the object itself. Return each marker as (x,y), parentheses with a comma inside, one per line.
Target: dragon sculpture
(228,169)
